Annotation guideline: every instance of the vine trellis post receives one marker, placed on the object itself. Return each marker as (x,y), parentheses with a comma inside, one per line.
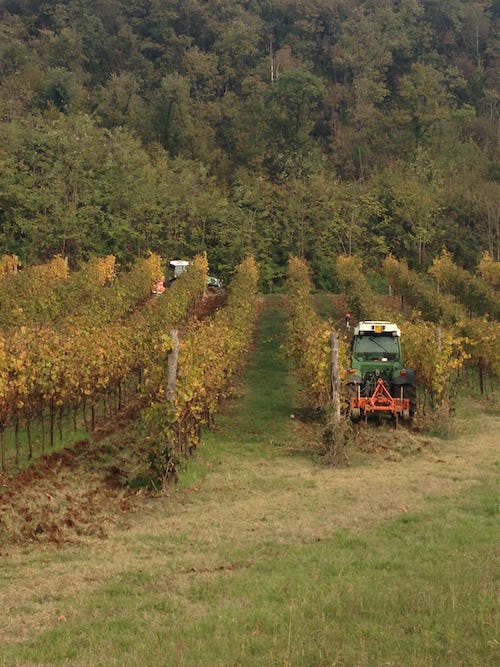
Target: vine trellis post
(172,362)
(335,376)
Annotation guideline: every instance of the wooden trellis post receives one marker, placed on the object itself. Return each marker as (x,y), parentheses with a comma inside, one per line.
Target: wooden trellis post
(172,362)
(335,376)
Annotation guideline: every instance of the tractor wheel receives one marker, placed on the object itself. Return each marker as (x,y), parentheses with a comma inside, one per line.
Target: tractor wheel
(349,391)
(410,392)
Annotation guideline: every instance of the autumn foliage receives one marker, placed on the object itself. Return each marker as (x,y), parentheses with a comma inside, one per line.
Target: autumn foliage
(95,350)
(209,353)
(439,338)
(308,337)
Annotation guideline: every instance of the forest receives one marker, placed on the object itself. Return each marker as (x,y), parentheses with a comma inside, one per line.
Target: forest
(313,128)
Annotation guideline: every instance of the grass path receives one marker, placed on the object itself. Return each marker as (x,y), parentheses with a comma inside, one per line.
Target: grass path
(261,557)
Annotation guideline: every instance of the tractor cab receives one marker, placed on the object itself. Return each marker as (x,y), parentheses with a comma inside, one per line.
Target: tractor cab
(179,266)
(214,285)
(376,341)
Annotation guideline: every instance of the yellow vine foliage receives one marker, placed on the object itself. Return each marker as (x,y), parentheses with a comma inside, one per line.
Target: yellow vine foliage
(309,337)
(200,265)
(443,268)
(489,270)
(419,292)
(154,265)
(84,356)
(483,336)
(41,278)
(477,295)
(101,270)
(362,299)
(5,399)
(210,352)
(9,265)
(436,354)
(52,271)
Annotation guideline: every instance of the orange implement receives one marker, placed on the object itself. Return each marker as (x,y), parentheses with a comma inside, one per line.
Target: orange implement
(381,401)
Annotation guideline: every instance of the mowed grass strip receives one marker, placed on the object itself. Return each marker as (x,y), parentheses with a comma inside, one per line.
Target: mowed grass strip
(223,575)
(419,590)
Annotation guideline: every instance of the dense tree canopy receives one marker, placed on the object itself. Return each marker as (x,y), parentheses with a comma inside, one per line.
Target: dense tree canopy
(311,127)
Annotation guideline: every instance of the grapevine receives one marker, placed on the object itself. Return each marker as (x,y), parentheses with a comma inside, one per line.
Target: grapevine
(210,352)
(50,369)
(489,270)
(419,293)
(476,295)
(308,337)
(436,354)
(361,298)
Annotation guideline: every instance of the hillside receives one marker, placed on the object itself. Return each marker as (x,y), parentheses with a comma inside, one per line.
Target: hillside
(278,127)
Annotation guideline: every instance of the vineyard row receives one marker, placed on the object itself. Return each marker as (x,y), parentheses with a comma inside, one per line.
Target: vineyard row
(435,351)
(50,369)
(86,366)
(209,353)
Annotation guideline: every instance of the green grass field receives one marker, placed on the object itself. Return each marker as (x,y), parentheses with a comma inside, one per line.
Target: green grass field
(263,557)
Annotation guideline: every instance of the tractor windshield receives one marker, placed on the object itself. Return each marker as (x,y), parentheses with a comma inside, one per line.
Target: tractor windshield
(376,348)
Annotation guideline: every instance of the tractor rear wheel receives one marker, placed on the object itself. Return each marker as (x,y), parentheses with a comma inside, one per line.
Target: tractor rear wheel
(410,392)
(349,392)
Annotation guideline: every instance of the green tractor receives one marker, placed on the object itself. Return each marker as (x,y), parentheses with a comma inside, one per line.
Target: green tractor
(377,382)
